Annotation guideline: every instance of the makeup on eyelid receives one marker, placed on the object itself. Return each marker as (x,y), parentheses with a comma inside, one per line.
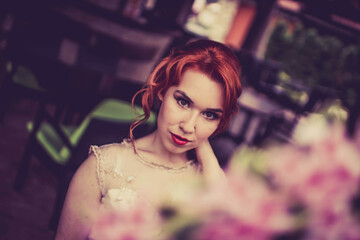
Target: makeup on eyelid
(181,99)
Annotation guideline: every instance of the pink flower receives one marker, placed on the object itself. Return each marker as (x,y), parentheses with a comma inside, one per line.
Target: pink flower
(324,176)
(328,167)
(246,208)
(228,227)
(132,224)
(332,223)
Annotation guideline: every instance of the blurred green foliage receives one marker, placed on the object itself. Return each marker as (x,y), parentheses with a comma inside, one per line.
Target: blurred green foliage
(313,59)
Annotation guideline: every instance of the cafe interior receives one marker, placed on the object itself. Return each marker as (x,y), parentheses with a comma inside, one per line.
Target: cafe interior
(69,69)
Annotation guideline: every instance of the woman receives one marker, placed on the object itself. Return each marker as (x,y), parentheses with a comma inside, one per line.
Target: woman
(198,86)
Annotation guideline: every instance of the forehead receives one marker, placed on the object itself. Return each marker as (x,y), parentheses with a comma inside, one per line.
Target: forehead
(201,89)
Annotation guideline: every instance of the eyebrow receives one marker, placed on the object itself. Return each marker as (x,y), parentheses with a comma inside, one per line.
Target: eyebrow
(187,98)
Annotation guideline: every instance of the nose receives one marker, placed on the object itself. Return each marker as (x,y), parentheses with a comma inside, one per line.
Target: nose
(188,124)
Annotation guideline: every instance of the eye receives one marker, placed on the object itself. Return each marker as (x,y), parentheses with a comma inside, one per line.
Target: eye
(211,115)
(182,102)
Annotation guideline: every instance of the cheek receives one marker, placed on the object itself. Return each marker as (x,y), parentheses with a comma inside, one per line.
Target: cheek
(169,113)
(206,129)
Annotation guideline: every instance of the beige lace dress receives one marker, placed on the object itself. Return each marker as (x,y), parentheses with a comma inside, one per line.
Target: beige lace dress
(126,180)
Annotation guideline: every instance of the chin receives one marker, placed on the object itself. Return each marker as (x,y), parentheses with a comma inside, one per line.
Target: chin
(177,149)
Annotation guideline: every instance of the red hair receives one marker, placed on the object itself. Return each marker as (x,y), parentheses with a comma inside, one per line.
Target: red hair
(214,59)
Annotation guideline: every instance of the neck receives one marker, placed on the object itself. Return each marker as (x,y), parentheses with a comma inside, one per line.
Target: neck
(153,148)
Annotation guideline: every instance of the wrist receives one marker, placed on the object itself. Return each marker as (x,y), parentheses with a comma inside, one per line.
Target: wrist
(212,173)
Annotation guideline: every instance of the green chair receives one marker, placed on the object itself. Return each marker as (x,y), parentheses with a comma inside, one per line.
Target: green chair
(62,148)
(54,143)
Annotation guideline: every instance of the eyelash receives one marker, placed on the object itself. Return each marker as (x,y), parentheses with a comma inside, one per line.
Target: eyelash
(179,99)
(215,116)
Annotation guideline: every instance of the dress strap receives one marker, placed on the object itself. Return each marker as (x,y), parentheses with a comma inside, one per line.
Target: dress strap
(99,167)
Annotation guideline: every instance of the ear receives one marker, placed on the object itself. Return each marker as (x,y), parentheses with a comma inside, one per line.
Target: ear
(160,96)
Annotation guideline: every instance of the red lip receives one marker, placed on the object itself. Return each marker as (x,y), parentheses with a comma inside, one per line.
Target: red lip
(179,140)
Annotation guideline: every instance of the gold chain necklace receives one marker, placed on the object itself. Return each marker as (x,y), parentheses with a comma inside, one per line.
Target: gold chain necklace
(158,165)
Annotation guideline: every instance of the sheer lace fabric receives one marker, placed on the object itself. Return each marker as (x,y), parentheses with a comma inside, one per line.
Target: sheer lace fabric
(125,183)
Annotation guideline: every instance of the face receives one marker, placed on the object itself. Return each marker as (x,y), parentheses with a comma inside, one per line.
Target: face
(190,112)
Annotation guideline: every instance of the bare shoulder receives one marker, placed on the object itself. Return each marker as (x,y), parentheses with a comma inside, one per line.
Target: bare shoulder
(81,203)
(84,194)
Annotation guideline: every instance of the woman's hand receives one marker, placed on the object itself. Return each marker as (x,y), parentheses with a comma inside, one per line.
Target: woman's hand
(211,169)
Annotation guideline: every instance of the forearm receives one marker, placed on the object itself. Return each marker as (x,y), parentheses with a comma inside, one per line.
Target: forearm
(211,170)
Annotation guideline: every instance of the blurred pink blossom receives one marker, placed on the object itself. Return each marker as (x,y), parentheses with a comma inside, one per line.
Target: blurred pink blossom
(136,223)
(245,207)
(324,176)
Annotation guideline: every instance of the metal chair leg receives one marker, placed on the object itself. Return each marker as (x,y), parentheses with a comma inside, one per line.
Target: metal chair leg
(61,191)
(23,169)
(28,152)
